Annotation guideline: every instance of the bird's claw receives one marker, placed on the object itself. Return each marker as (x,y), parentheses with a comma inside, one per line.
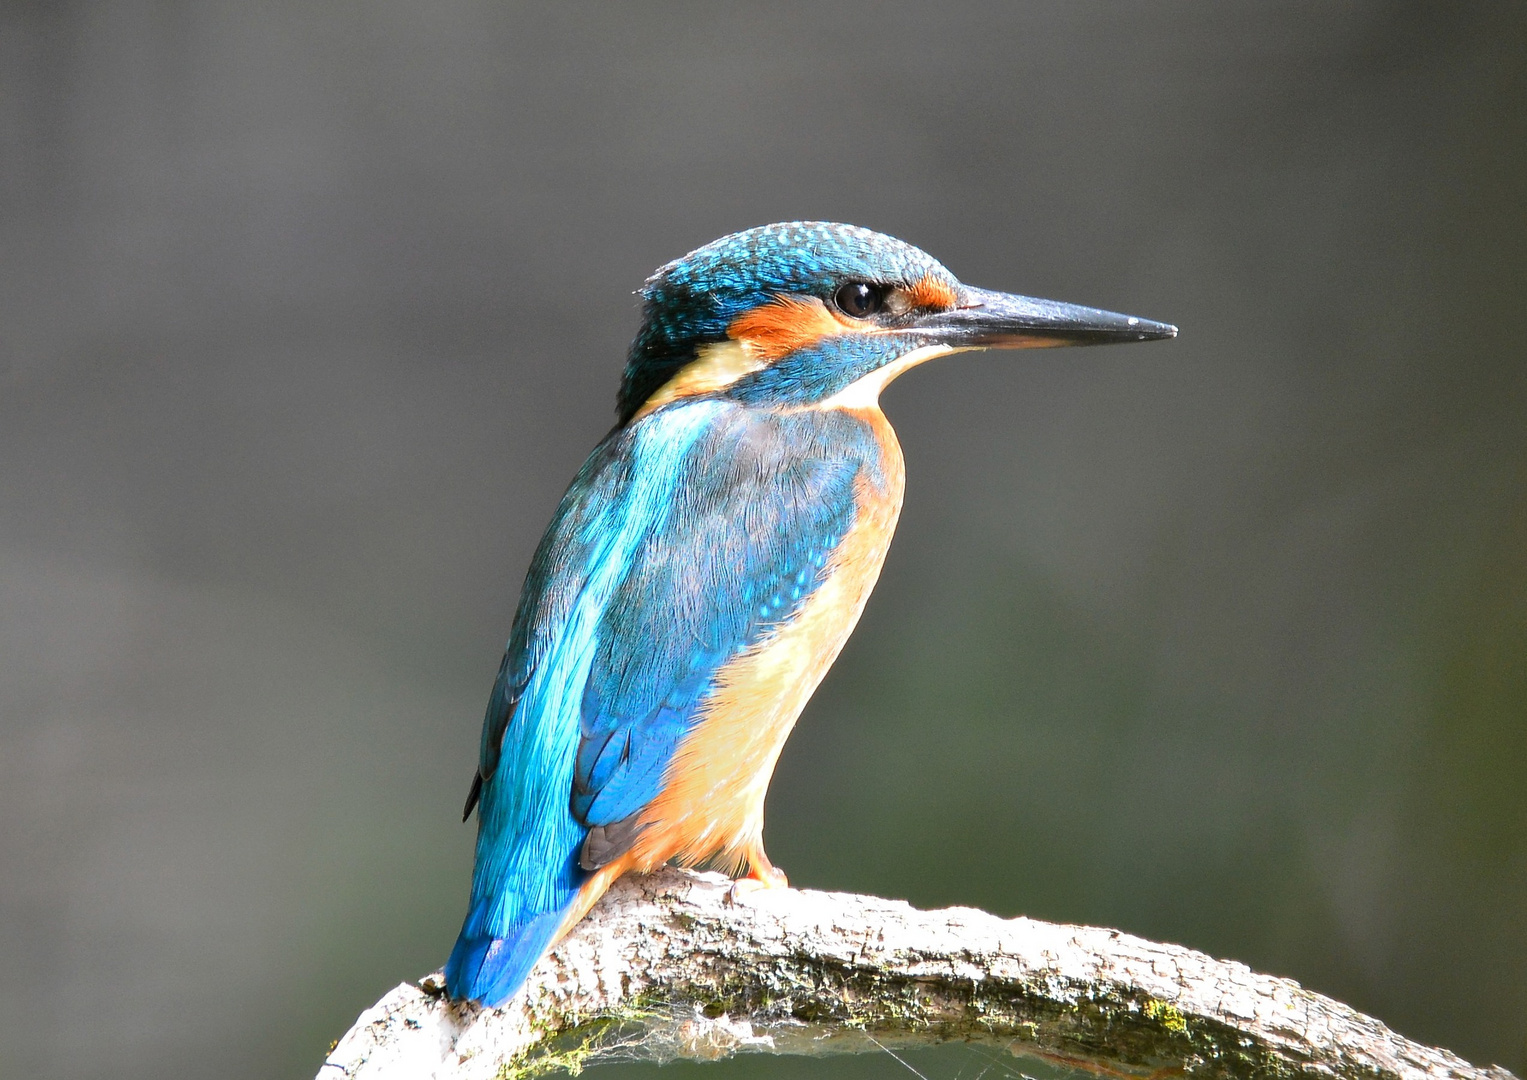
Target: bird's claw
(758,879)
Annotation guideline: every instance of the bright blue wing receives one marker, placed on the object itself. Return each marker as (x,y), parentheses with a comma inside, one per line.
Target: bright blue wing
(527,871)
(684,538)
(764,503)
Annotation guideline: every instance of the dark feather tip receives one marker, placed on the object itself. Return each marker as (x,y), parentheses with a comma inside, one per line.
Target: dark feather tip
(472,796)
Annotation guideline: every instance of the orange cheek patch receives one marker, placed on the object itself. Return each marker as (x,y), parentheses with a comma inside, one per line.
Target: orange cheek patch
(930,292)
(785,324)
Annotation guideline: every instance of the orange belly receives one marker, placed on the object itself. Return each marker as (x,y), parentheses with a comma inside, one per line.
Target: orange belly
(712,800)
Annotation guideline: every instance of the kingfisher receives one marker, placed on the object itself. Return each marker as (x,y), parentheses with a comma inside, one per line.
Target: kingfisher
(705,568)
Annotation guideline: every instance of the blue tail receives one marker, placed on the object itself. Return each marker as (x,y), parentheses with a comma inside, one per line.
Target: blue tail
(511,923)
(490,969)
(521,894)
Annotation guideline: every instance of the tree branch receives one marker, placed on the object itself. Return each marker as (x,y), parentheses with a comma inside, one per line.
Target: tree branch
(666,967)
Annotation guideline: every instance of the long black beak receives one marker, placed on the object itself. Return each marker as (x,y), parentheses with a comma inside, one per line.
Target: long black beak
(994,320)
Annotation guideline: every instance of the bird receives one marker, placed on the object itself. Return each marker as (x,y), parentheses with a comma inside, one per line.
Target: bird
(705,567)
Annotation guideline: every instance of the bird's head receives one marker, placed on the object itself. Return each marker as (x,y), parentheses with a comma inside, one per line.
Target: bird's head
(807,312)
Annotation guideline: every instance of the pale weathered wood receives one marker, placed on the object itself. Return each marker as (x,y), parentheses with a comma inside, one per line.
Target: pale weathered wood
(667,966)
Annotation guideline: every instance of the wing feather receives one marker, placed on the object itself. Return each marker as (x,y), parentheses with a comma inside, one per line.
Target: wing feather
(745,544)
(730,544)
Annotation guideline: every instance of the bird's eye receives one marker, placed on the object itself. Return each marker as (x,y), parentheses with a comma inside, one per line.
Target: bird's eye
(858,299)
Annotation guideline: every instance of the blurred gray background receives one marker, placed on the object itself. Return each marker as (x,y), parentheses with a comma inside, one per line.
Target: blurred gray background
(309,313)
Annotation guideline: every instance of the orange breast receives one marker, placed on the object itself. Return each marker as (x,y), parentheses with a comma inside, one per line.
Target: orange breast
(713,795)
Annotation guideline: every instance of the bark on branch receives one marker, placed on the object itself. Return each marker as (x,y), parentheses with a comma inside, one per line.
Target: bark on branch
(666,967)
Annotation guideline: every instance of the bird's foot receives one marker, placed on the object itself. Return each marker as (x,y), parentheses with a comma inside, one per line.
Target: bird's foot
(758,879)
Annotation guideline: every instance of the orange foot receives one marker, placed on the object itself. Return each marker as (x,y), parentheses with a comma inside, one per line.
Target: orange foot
(762,874)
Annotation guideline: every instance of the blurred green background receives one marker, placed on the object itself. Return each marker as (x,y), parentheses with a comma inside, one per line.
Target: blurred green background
(308,313)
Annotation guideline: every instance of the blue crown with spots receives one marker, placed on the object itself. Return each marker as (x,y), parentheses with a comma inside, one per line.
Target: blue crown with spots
(692,300)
